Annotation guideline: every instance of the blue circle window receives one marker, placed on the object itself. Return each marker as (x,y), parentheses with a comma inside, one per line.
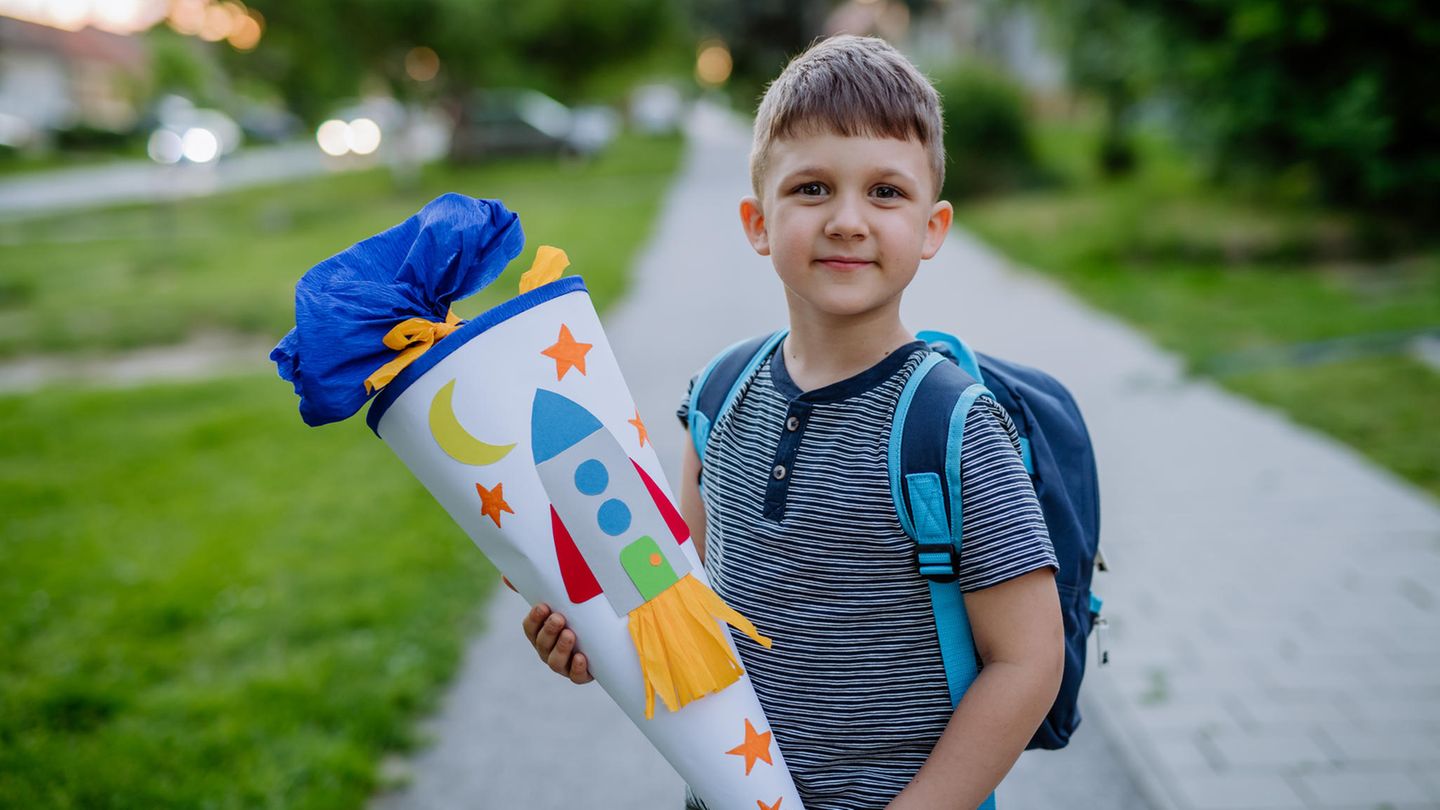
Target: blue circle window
(591,477)
(614,517)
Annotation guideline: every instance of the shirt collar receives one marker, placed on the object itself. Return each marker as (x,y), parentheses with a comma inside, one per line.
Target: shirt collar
(846,388)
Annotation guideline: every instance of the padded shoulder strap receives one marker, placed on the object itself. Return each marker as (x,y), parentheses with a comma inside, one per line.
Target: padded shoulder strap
(955,349)
(927,438)
(720,382)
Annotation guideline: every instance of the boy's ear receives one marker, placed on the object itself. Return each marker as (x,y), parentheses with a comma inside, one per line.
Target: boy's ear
(752,219)
(941,215)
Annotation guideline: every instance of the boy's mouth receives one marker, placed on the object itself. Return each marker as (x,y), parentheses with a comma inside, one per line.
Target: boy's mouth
(843,262)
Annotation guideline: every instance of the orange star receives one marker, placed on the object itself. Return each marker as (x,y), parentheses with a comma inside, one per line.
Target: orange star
(756,746)
(568,353)
(492,502)
(640,426)
(775,806)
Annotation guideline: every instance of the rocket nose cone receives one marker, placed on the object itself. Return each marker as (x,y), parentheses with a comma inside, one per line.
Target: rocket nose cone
(557,423)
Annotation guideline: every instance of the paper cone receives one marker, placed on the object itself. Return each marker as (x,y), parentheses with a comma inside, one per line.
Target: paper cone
(521,426)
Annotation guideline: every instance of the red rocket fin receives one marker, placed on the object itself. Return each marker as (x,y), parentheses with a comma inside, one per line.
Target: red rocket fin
(580,582)
(673,520)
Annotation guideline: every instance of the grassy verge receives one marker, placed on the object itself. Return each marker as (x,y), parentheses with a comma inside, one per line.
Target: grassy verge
(157,274)
(205,606)
(1223,278)
(203,603)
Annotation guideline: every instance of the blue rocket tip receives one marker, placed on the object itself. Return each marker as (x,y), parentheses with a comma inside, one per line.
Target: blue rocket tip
(558,423)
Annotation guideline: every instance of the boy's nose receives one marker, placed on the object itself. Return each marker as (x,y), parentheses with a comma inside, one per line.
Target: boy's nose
(847,220)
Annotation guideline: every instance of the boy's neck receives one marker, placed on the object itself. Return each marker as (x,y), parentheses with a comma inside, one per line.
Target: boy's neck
(824,350)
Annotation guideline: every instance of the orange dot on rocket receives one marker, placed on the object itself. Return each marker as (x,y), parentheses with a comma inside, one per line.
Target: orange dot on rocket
(655,560)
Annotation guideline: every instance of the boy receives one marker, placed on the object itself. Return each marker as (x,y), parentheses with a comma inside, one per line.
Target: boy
(796,524)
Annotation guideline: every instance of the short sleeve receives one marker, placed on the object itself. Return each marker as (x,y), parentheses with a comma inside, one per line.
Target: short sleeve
(683,412)
(1004,532)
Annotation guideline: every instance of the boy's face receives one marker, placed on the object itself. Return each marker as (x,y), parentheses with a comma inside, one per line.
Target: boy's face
(846,220)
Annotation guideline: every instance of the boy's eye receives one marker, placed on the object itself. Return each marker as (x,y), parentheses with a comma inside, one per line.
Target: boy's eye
(811,189)
(888,193)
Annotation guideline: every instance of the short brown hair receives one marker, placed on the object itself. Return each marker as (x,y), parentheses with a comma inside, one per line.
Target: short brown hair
(852,86)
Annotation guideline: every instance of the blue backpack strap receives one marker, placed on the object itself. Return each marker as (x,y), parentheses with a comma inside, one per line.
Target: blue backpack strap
(955,349)
(1056,450)
(925,484)
(720,382)
(965,357)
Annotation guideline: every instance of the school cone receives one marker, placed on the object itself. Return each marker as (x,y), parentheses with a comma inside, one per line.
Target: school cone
(520,424)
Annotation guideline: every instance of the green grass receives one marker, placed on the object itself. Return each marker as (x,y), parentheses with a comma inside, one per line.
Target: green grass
(1224,276)
(148,275)
(205,604)
(202,602)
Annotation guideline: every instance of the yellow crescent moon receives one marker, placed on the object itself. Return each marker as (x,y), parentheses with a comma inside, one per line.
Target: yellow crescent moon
(454,439)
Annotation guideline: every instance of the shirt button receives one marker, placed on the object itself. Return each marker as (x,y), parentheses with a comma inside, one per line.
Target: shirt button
(779,472)
(793,423)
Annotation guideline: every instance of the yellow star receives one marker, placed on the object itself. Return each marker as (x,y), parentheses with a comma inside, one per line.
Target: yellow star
(756,746)
(492,502)
(640,426)
(568,353)
(775,806)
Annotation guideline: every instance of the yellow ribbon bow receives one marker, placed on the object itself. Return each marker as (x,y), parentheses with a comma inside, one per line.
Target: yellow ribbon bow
(411,337)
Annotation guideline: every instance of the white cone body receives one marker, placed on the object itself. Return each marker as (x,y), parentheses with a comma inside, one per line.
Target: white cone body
(496,375)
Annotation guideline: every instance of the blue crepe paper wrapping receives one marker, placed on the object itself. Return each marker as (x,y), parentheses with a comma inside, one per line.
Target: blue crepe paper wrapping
(345,305)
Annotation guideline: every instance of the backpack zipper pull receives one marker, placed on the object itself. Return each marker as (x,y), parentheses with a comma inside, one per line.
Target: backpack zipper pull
(1100,624)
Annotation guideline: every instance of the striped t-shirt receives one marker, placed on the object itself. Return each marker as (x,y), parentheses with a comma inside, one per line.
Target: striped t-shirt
(802,538)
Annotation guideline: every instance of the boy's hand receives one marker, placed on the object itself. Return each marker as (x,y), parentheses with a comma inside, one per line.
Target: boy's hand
(555,643)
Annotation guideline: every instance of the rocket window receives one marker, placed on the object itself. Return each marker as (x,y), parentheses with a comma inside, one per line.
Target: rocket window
(591,477)
(613,517)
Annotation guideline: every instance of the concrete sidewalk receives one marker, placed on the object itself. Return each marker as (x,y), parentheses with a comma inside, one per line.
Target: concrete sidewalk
(1276,640)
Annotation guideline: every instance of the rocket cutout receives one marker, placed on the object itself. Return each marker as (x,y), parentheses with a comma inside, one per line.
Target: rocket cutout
(617,534)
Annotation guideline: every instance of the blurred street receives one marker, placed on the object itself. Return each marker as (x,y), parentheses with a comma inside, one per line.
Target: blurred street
(142,181)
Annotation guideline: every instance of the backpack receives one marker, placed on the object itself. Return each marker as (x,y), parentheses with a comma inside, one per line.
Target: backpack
(927,434)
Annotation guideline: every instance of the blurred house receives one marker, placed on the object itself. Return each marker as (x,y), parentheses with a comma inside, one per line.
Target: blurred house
(52,79)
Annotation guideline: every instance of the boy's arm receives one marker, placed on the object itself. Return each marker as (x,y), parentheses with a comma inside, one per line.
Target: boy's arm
(1020,639)
(692,508)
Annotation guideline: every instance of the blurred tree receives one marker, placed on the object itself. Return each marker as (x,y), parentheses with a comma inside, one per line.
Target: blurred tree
(1340,90)
(1112,53)
(762,36)
(181,65)
(987,134)
(317,51)
(1337,91)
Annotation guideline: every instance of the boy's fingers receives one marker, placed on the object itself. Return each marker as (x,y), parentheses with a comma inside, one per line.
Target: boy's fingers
(559,659)
(533,620)
(549,633)
(580,669)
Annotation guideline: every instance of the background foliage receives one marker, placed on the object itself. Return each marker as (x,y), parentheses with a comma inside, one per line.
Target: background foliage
(1332,96)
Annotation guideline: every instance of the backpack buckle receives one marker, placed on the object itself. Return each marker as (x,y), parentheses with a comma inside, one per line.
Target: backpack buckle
(938,562)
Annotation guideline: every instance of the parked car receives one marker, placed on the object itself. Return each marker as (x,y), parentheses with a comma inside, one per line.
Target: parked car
(500,123)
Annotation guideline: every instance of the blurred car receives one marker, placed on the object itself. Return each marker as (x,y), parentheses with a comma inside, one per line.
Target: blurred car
(656,109)
(186,133)
(500,123)
(268,123)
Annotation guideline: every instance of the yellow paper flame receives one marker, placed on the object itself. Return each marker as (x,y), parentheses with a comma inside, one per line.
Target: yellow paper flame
(550,262)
